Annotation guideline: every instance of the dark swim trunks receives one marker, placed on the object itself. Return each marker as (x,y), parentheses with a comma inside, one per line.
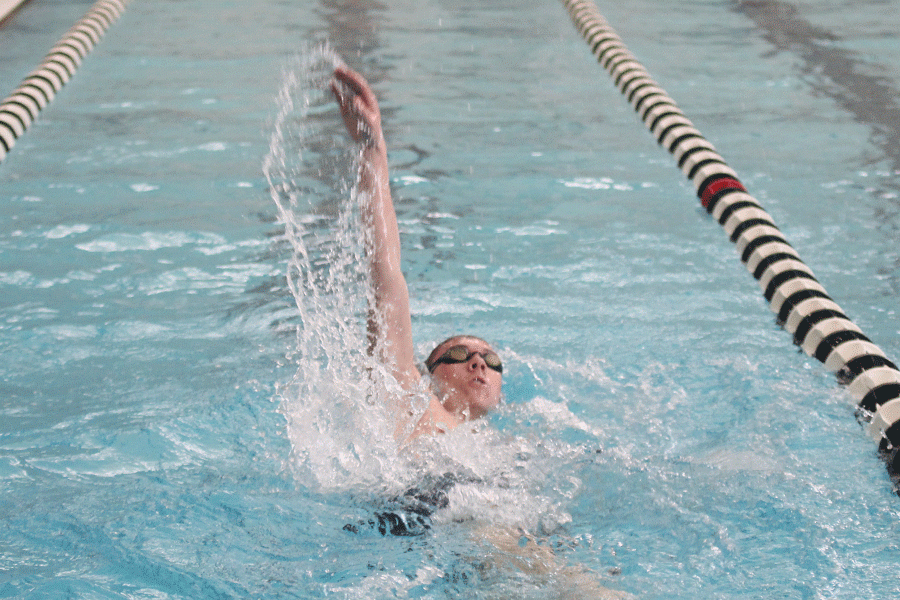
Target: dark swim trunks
(410,513)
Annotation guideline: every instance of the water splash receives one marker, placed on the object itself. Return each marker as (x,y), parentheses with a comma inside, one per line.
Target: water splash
(337,405)
(334,404)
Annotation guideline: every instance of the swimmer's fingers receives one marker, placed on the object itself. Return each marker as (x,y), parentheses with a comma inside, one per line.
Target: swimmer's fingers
(349,113)
(359,106)
(357,85)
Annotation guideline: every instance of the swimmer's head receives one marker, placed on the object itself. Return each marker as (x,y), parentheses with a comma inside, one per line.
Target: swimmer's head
(466,375)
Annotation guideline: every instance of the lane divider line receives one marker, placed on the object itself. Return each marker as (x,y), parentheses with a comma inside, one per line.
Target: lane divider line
(22,107)
(801,304)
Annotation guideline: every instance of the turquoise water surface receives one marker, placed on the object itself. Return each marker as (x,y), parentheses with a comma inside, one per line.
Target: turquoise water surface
(186,408)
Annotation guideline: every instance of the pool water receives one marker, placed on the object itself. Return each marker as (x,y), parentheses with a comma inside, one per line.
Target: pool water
(187,408)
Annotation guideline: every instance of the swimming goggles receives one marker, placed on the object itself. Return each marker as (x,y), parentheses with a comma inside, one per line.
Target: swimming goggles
(461,354)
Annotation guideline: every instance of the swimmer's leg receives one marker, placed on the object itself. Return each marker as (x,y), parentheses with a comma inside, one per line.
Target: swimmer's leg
(523,553)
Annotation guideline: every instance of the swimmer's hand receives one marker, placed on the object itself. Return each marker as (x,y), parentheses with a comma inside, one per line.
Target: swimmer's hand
(359,106)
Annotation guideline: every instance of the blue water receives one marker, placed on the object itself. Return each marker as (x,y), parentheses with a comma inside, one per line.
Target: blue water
(182,420)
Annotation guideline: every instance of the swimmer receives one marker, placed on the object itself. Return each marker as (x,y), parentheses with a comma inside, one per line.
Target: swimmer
(466,373)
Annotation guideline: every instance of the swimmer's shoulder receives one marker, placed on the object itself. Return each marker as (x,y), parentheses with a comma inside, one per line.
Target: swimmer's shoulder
(435,420)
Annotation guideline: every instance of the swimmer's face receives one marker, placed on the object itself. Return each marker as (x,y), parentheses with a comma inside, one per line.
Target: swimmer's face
(469,388)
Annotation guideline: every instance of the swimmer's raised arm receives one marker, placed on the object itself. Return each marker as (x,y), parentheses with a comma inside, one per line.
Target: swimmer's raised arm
(392,325)
(468,387)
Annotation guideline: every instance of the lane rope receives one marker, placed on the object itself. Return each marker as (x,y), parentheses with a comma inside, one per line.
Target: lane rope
(22,107)
(802,306)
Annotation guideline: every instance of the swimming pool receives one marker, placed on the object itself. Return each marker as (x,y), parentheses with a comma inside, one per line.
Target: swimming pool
(159,438)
